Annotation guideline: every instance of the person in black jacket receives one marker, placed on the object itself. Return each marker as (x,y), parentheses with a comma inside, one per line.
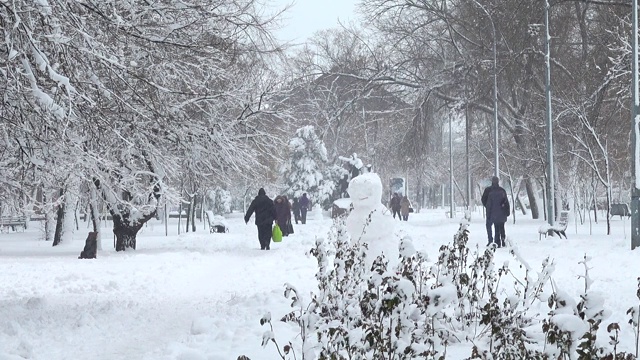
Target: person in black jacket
(296,210)
(494,199)
(265,212)
(283,213)
(395,206)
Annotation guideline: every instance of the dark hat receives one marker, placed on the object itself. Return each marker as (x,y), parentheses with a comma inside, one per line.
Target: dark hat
(495,180)
(261,192)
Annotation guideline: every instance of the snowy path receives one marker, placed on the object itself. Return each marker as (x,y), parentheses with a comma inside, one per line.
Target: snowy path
(200,296)
(137,304)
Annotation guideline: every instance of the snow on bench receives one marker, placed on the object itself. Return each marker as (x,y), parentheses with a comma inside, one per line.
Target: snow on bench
(558,228)
(217,223)
(620,210)
(13,222)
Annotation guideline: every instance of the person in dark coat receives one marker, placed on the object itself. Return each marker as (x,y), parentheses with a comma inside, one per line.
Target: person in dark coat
(296,209)
(289,223)
(343,185)
(494,199)
(283,213)
(265,213)
(405,205)
(304,207)
(395,206)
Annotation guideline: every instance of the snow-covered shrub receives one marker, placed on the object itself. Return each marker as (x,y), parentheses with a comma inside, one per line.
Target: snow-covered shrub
(418,309)
(634,319)
(571,328)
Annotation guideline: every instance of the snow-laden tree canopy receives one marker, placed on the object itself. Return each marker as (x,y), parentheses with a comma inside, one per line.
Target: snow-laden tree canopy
(130,97)
(305,170)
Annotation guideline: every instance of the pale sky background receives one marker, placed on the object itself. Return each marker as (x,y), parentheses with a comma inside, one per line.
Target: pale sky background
(308,16)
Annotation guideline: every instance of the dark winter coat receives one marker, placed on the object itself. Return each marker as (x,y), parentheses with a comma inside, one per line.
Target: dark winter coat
(394,204)
(263,207)
(405,204)
(304,202)
(283,210)
(295,206)
(496,202)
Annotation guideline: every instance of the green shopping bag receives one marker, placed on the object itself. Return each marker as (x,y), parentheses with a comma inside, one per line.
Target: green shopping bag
(276,234)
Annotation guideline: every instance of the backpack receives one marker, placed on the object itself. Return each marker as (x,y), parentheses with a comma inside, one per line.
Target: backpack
(505,205)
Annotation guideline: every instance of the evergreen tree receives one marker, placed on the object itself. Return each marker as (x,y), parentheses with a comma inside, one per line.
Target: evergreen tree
(304,173)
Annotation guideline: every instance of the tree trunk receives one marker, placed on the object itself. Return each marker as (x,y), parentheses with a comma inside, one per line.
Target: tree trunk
(193,213)
(95,216)
(126,230)
(189,210)
(59,222)
(125,239)
(533,199)
(522,207)
(608,210)
(595,198)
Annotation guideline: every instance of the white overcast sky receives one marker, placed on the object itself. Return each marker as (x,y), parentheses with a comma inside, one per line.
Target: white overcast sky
(308,16)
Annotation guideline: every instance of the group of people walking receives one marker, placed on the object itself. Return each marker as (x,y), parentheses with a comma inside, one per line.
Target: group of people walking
(279,210)
(400,206)
(267,211)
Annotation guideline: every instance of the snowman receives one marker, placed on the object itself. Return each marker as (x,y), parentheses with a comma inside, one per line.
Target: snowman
(371,222)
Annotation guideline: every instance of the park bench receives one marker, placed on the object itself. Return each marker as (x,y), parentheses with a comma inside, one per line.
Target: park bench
(13,222)
(341,207)
(620,210)
(216,223)
(558,228)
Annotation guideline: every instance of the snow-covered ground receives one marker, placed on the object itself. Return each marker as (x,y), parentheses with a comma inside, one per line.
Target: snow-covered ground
(201,296)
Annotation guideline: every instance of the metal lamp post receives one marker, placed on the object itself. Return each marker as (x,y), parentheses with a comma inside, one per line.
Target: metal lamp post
(451,207)
(635,147)
(550,167)
(495,102)
(496,143)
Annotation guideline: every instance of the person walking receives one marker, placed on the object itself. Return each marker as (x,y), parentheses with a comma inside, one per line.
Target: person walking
(265,214)
(494,199)
(296,210)
(283,214)
(405,205)
(394,204)
(304,207)
(289,223)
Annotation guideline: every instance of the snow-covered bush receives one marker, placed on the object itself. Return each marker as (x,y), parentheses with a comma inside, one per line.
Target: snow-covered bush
(418,309)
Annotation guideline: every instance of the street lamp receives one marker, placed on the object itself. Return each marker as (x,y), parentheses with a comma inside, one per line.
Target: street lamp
(495,93)
(550,167)
(451,207)
(635,149)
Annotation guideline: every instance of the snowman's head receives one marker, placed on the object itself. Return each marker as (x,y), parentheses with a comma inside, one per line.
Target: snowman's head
(365,191)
